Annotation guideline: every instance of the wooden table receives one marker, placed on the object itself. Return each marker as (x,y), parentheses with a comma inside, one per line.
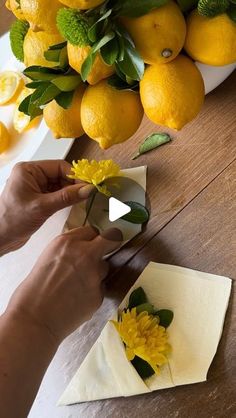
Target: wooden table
(192,189)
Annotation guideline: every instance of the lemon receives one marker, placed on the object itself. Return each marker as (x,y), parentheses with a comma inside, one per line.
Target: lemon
(110,116)
(212,40)
(4,138)
(82,4)
(21,122)
(65,123)
(14,7)
(41,14)
(172,94)
(10,85)
(77,56)
(159,35)
(35,44)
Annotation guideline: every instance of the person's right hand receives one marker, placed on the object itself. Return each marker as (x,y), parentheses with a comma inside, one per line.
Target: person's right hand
(65,286)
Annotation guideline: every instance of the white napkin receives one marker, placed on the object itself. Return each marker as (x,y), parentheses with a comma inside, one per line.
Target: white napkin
(199,302)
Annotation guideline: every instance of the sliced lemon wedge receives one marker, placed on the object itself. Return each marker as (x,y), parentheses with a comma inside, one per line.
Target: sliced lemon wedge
(21,121)
(4,138)
(10,84)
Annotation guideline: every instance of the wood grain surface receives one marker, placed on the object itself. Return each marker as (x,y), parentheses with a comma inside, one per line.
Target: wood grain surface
(192,192)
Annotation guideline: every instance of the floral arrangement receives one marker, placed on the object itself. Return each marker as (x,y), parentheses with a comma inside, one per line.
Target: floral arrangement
(142,329)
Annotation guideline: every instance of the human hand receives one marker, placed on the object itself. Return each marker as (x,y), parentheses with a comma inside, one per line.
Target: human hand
(34,191)
(66,285)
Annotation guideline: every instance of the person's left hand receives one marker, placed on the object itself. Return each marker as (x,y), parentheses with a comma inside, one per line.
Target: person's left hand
(34,191)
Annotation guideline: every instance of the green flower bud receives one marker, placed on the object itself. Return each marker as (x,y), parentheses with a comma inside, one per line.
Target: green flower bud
(73,26)
(18,31)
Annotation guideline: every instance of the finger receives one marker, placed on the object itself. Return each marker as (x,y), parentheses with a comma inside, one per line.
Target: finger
(86,233)
(67,196)
(107,241)
(103,269)
(54,169)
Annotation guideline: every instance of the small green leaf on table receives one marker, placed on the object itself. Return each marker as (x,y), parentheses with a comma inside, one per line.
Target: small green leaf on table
(138,215)
(153,141)
(166,317)
(137,297)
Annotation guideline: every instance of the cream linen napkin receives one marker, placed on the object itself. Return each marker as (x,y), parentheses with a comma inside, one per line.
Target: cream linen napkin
(132,193)
(199,302)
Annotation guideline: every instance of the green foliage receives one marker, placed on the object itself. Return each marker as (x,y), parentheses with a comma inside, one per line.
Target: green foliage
(18,31)
(137,297)
(73,26)
(153,141)
(211,8)
(57,83)
(138,215)
(142,367)
(187,5)
(140,8)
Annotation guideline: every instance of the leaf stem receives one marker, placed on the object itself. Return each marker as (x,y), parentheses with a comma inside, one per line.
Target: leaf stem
(89,208)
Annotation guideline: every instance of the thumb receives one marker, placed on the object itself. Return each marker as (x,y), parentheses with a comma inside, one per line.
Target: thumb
(67,196)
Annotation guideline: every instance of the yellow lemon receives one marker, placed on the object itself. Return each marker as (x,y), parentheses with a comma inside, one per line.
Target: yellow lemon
(110,116)
(99,71)
(22,122)
(172,94)
(212,40)
(14,7)
(10,85)
(4,138)
(159,35)
(35,44)
(41,14)
(82,4)
(65,123)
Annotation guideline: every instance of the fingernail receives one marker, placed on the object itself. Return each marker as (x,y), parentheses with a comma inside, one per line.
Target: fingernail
(112,234)
(86,191)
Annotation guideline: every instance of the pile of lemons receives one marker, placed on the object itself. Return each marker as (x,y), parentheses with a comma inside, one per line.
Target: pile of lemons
(171,91)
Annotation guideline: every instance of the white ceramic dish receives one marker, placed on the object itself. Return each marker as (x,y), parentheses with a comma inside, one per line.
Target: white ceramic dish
(38,143)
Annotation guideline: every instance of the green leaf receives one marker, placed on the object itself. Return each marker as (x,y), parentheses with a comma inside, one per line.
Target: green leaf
(151,142)
(137,297)
(57,46)
(138,215)
(107,38)
(147,307)
(132,64)
(24,105)
(87,66)
(63,58)
(142,368)
(166,317)
(120,84)
(52,55)
(39,91)
(187,5)
(64,99)
(95,29)
(232,12)
(67,82)
(48,95)
(38,73)
(36,84)
(139,8)
(211,8)
(110,51)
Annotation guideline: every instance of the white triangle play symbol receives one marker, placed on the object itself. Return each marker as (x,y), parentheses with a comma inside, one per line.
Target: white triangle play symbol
(117,209)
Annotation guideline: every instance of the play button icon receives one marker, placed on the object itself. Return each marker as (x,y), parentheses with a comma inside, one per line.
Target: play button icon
(117,209)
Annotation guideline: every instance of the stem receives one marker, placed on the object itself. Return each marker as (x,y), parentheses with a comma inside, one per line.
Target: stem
(90,207)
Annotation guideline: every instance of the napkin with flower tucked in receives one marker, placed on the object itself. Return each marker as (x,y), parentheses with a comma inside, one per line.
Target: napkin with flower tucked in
(199,302)
(135,191)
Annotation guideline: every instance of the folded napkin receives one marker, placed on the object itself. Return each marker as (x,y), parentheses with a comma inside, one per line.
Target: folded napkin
(134,191)
(199,302)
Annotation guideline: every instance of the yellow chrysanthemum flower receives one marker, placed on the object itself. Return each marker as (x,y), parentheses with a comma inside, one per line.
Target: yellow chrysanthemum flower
(143,337)
(95,172)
